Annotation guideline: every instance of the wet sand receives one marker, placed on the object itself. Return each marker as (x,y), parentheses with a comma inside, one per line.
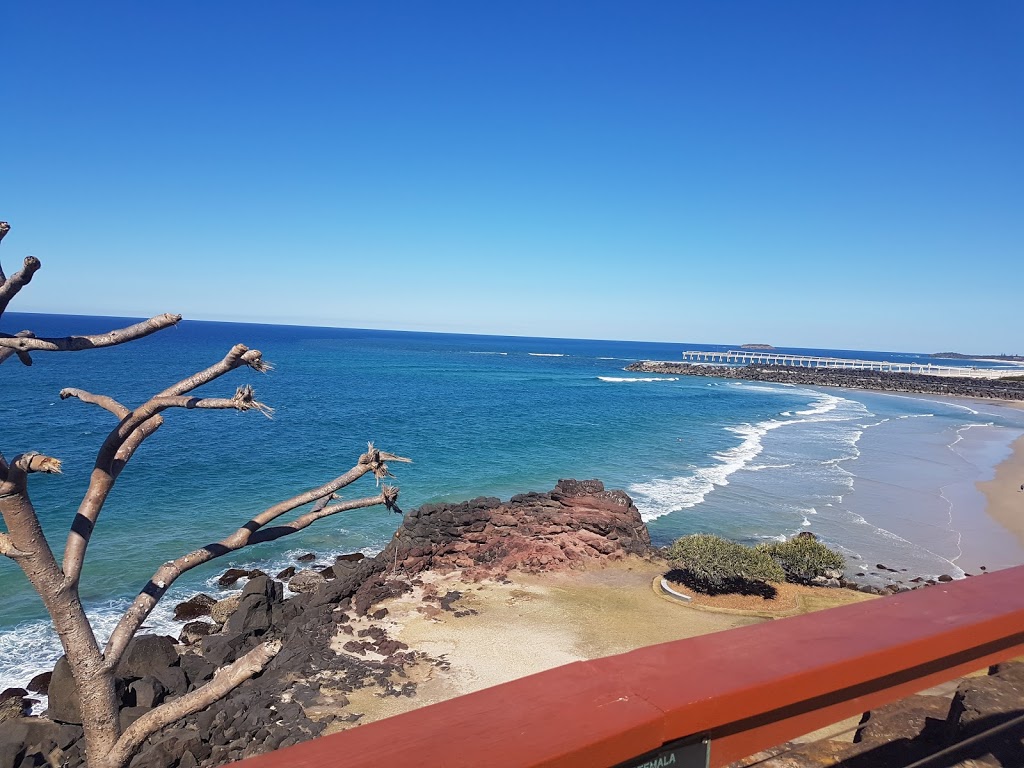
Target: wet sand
(1003,492)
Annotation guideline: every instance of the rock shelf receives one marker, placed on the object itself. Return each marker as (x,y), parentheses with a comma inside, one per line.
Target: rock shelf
(883,381)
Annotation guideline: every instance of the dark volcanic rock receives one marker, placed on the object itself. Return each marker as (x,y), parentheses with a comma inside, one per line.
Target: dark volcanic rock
(194,607)
(885,381)
(232,575)
(148,655)
(195,631)
(40,683)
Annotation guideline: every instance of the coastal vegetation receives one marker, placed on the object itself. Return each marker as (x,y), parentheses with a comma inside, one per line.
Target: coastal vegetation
(804,559)
(95,669)
(714,565)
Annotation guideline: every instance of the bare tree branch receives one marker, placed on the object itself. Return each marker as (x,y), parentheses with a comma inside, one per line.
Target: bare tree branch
(112,456)
(388,497)
(17,281)
(238,356)
(244,400)
(226,680)
(4,229)
(248,534)
(103,401)
(24,357)
(36,462)
(24,344)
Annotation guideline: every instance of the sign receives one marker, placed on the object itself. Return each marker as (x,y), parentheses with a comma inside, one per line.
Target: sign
(677,754)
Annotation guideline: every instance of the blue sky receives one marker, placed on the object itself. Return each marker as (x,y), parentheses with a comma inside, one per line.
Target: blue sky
(813,174)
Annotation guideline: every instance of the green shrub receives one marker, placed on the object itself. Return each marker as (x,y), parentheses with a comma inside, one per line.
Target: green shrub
(803,558)
(716,565)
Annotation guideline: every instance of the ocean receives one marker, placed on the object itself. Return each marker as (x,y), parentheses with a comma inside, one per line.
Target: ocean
(886,479)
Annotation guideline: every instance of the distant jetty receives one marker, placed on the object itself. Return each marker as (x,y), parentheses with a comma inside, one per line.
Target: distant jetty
(884,381)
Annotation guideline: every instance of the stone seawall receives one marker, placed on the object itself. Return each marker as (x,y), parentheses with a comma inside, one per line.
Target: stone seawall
(883,381)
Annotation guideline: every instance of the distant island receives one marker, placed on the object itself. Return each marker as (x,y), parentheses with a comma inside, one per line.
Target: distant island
(756,346)
(961,356)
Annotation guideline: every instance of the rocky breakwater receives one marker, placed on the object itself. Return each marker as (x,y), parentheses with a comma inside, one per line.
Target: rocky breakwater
(334,633)
(883,381)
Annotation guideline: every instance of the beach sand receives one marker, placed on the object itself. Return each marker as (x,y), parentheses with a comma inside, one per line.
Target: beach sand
(1003,492)
(535,623)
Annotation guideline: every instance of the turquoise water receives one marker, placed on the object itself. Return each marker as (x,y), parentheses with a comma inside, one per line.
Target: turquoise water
(887,479)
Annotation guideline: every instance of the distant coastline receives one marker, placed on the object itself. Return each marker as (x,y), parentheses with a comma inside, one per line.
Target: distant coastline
(1002,358)
(882,381)
(757,346)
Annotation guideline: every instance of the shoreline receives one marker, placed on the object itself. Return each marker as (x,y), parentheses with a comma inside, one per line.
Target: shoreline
(1005,500)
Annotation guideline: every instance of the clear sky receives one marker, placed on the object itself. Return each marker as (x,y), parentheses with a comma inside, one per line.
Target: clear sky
(823,174)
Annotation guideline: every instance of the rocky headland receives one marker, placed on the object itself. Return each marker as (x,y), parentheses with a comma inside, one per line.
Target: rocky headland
(351,645)
(884,381)
(335,640)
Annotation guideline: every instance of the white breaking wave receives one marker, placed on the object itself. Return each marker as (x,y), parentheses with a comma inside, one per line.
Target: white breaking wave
(661,496)
(759,467)
(649,378)
(472,352)
(545,354)
(33,647)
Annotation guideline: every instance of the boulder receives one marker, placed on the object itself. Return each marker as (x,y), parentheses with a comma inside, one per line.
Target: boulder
(222,611)
(147,655)
(194,607)
(223,648)
(306,580)
(196,668)
(286,574)
(981,702)
(14,704)
(232,575)
(40,683)
(195,631)
(62,705)
(309,557)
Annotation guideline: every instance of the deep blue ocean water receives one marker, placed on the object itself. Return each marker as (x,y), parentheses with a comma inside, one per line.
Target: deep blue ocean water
(885,478)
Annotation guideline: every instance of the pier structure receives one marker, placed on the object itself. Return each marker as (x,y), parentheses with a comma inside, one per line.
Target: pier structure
(757,357)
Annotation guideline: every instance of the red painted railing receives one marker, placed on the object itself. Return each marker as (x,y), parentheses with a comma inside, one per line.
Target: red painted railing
(745,689)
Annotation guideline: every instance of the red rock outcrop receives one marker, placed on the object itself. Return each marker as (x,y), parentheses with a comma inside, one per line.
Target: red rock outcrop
(576,523)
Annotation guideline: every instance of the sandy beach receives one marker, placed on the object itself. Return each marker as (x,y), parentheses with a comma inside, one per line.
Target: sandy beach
(508,630)
(1005,499)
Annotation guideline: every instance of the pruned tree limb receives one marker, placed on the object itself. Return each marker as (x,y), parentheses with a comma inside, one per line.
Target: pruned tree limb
(388,497)
(31,462)
(25,344)
(24,357)
(124,439)
(225,680)
(248,534)
(244,400)
(238,356)
(17,281)
(103,401)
